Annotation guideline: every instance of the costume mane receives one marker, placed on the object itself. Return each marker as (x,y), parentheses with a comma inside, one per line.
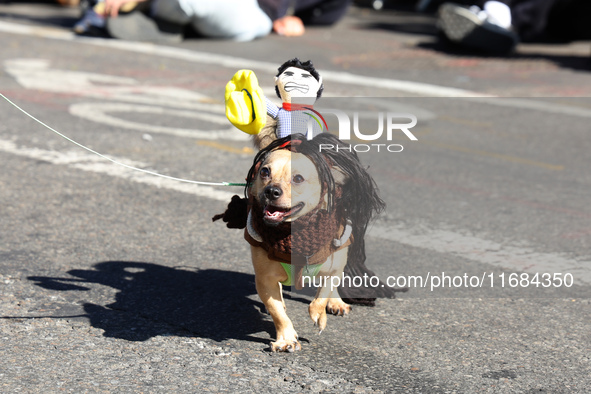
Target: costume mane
(358,200)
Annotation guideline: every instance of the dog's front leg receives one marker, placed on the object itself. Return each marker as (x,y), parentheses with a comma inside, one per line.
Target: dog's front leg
(268,274)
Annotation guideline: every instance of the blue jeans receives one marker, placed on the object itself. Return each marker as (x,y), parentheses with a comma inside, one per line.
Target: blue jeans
(240,20)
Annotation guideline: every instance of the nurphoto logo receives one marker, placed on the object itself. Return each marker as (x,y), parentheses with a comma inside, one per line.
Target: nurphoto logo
(388,125)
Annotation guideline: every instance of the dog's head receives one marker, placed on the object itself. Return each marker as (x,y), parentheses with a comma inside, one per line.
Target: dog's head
(292,176)
(286,185)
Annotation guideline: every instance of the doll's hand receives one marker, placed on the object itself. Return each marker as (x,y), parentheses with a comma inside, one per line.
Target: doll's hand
(290,26)
(246,106)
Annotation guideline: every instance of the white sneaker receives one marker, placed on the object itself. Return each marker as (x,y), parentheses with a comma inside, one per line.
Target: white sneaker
(498,13)
(475,28)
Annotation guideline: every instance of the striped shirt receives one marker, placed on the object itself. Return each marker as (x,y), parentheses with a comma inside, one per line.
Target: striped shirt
(292,121)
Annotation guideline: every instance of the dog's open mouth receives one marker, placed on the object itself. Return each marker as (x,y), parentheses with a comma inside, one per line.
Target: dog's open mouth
(275,215)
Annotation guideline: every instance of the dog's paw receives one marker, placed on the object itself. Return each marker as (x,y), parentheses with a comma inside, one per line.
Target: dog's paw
(287,341)
(338,307)
(285,346)
(317,310)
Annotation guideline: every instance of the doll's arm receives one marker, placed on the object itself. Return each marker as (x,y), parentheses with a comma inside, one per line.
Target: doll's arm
(272,109)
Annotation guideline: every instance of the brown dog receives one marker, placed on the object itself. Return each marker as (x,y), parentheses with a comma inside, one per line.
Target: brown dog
(307,214)
(287,187)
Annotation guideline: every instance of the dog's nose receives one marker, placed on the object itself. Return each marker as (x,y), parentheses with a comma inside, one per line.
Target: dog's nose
(273,192)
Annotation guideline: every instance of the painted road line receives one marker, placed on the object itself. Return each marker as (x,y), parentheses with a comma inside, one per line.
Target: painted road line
(225,148)
(99,112)
(472,248)
(92,163)
(236,63)
(484,251)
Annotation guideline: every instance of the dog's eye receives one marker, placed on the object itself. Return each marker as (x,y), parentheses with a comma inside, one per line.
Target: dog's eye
(298,178)
(265,172)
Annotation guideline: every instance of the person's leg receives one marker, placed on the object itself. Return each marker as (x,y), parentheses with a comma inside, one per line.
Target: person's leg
(530,17)
(170,10)
(139,24)
(240,20)
(321,12)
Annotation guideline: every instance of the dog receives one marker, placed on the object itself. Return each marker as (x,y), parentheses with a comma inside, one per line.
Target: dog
(305,214)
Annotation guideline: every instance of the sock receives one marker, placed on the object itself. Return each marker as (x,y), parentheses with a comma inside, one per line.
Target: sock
(498,13)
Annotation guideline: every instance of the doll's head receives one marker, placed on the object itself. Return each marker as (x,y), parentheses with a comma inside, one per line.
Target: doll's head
(298,80)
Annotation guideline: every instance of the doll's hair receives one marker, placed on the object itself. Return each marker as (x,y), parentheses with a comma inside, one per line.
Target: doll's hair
(307,66)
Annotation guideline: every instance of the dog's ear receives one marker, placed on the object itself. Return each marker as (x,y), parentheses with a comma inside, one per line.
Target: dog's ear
(340,178)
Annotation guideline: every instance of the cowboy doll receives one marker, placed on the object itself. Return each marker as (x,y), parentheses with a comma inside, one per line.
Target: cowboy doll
(297,84)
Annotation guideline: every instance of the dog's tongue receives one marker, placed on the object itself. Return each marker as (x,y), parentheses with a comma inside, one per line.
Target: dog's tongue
(274,213)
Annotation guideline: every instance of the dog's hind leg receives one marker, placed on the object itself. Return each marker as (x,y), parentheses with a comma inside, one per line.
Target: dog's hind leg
(317,310)
(327,301)
(337,306)
(268,274)
(327,297)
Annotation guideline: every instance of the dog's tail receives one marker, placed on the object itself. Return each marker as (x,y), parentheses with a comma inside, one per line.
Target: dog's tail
(266,135)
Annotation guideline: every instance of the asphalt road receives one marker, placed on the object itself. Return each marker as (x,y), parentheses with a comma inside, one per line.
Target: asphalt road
(113,280)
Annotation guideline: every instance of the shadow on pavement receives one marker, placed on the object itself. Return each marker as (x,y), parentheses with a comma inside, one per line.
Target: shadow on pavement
(405,21)
(574,62)
(157,300)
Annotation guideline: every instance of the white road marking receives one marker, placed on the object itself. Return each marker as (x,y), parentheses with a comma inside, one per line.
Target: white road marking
(472,248)
(92,163)
(99,112)
(37,74)
(484,251)
(236,63)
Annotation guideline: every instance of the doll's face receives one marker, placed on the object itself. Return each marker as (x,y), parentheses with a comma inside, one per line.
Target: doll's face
(297,83)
